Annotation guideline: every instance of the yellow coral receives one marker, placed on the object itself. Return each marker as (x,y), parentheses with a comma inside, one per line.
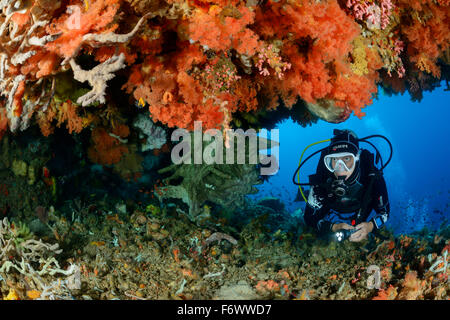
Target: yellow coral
(359,65)
(153,210)
(19,167)
(12,295)
(33,294)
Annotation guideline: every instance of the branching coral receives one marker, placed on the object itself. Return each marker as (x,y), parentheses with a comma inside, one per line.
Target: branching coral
(97,78)
(34,49)
(32,258)
(23,58)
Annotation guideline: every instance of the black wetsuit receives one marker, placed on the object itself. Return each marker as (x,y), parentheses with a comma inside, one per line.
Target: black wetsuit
(325,208)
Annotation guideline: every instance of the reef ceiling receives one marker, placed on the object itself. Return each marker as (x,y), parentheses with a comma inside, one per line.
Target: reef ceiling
(97,63)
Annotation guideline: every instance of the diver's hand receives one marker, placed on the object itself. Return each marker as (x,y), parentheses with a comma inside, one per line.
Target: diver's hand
(363,230)
(340,226)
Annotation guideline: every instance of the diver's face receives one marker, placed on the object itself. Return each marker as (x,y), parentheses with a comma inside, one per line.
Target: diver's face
(347,174)
(339,169)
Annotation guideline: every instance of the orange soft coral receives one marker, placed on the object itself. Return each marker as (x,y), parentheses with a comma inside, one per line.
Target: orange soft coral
(388,294)
(40,65)
(154,82)
(76,23)
(105,148)
(121,130)
(3,122)
(319,55)
(18,106)
(427,32)
(225,28)
(104,53)
(67,112)
(307,52)
(45,118)
(412,287)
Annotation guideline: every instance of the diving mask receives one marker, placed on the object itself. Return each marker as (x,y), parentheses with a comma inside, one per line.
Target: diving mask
(340,162)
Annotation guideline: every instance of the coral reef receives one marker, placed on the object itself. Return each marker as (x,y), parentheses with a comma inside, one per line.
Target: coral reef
(109,80)
(210,61)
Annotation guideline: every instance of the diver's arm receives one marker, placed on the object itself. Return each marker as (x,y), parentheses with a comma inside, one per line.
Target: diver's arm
(315,213)
(380,203)
(315,219)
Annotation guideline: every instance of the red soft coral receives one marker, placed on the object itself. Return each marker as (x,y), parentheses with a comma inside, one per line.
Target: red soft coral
(318,51)
(225,28)
(97,19)
(427,32)
(105,149)
(3,122)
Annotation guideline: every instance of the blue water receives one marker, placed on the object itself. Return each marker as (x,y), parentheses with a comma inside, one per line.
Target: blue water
(418,176)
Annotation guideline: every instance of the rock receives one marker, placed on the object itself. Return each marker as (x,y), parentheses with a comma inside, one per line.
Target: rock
(327,110)
(90,250)
(273,203)
(240,291)
(139,218)
(153,226)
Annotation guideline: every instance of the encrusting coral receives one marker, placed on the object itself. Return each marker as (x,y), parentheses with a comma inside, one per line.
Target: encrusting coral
(208,60)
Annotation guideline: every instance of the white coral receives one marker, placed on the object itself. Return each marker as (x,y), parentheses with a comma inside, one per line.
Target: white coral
(27,255)
(156,136)
(97,78)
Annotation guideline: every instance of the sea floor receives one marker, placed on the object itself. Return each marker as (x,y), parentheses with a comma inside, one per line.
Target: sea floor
(158,253)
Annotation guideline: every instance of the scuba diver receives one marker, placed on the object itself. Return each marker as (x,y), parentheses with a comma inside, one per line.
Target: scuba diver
(346,188)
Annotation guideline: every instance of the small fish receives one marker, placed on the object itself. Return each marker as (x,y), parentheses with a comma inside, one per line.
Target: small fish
(140,103)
